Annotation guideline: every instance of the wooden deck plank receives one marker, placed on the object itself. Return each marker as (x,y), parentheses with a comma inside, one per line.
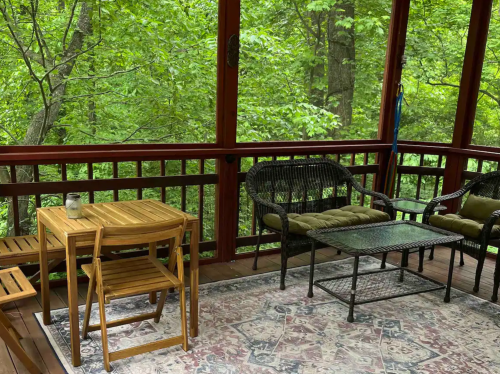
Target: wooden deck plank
(62,292)
(27,307)
(83,289)
(219,271)
(55,301)
(19,318)
(6,366)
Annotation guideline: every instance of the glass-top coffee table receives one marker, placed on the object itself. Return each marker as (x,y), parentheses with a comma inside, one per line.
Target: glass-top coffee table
(373,239)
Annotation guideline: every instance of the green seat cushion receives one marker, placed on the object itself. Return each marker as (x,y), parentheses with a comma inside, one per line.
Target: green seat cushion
(479,208)
(349,215)
(462,225)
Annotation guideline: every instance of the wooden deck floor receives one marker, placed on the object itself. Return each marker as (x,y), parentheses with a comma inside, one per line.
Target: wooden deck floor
(21,313)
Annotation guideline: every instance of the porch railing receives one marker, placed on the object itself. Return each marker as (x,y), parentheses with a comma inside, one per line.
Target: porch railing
(188,177)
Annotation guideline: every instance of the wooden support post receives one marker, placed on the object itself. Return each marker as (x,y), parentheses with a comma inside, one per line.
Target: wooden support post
(116,195)
(15,202)
(226,214)
(90,176)
(64,177)
(36,179)
(392,76)
(227,102)
(467,98)
(138,168)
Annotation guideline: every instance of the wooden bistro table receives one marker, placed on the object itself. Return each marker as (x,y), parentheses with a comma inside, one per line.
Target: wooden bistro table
(81,232)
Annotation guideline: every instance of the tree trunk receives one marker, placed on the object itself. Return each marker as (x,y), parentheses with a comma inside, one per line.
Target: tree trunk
(341,63)
(44,119)
(92,113)
(317,73)
(317,70)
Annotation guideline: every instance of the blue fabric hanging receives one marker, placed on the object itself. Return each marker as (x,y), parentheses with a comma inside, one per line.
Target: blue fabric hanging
(393,159)
(397,118)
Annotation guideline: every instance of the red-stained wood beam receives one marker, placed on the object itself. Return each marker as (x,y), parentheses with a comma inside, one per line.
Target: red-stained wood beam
(102,147)
(467,97)
(44,188)
(308,143)
(226,122)
(15,201)
(392,77)
(471,73)
(300,148)
(393,68)
(182,147)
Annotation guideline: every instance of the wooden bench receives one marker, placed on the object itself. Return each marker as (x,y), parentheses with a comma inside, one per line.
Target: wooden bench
(17,250)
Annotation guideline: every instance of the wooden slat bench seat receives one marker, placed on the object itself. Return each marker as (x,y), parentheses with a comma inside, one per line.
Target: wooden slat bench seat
(18,250)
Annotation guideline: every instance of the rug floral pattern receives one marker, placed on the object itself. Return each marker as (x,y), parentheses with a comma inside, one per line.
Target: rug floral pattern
(250,326)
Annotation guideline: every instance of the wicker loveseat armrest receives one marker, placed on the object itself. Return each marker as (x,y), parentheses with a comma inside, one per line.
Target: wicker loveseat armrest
(389,208)
(429,209)
(263,207)
(488,226)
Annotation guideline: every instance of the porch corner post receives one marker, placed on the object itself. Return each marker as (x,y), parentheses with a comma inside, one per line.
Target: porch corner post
(470,83)
(392,76)
(227,194)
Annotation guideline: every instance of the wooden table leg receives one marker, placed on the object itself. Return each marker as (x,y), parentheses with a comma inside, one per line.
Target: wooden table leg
(44,272)
(73,299)
(153,252)
(194,278)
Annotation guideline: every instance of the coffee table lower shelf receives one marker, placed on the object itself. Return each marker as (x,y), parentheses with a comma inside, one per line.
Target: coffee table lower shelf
(378,285)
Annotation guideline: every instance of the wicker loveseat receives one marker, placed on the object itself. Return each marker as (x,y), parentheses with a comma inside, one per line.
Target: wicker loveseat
(293,197)
(478,221)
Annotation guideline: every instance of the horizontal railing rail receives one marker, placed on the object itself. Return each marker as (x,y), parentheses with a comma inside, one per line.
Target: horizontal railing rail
(16,149)
(354,169)
(40,155)
(37,188)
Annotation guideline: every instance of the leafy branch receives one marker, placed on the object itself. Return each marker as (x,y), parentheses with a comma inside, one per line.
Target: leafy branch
(485,92)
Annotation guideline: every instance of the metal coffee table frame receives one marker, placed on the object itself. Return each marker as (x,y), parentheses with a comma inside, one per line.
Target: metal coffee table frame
(325,236)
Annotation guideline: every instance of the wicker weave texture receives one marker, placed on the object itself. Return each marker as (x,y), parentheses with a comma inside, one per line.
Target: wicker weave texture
(486,185)
(300,186)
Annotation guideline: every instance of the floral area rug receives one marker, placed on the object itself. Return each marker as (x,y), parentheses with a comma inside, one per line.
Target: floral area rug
(250,326)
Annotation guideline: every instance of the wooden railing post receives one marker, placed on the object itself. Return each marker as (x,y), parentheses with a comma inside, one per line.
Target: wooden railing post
(227,101)
(392,76)
(467,98)
(226,225)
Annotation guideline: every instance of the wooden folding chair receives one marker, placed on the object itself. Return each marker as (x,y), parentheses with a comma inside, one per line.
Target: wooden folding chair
(15,286)
(134,276)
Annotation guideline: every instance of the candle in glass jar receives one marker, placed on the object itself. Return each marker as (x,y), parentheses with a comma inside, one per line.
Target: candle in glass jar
(73,206)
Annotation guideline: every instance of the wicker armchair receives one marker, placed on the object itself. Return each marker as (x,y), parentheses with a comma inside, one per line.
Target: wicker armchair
(488,229)
(289,188)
